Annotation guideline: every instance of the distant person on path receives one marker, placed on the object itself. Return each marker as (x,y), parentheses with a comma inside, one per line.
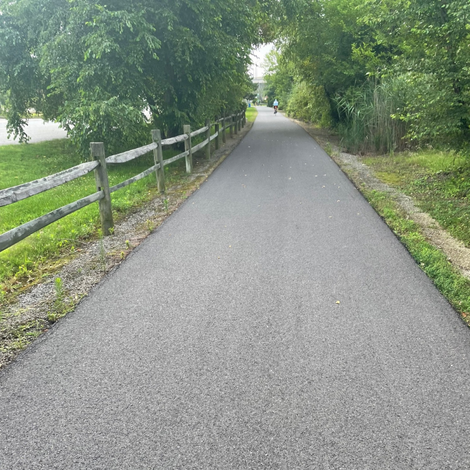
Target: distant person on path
(276,106)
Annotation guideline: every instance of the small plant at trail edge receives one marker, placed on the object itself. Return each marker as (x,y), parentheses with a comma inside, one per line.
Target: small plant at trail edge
(59,289)
(102,256)
(150,225)
(59,308)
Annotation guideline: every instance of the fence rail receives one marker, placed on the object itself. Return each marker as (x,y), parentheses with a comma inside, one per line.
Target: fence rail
(131,154)
(99,165)
(23,191)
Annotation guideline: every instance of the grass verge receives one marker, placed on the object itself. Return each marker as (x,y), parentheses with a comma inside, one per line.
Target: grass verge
(438,182)
(454,286)
(36,256)
(251,114)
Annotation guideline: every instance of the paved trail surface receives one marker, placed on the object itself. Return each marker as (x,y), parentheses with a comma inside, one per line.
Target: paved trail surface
(219,344)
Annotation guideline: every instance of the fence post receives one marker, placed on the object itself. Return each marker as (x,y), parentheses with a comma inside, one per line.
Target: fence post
(102,184)
(158,158)
(224,137)
(236,123)
(244,118)
(231,125)
(187,148)
(217,131)
(208,137)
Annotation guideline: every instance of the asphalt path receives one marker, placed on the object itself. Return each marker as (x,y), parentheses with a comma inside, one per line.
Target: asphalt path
(37,129)
(273,322)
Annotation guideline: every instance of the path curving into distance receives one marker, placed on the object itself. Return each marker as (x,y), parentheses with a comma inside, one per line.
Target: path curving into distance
(272,322)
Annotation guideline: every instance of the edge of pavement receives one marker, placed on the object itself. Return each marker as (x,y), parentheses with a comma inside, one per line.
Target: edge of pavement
(364,179)
(95,260)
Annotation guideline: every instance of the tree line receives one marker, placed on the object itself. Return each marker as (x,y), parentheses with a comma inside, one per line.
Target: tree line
(104,69)
(387,73)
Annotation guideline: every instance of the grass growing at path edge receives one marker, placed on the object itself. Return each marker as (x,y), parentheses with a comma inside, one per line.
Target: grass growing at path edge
(438,182)
(45,251)
(454,286)
(17,327)
(400,171)
(251,114)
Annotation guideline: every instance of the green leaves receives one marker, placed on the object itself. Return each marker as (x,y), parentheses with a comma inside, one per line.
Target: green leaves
(96,66)
(431,43)
(348,47)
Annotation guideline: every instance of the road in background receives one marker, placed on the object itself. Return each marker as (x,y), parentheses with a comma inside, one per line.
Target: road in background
(37,129)
(272,322)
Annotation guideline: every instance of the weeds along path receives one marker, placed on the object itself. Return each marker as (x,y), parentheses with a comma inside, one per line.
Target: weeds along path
(273,321)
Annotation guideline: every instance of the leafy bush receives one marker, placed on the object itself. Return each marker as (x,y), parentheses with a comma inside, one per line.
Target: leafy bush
(434,112)
(309,103)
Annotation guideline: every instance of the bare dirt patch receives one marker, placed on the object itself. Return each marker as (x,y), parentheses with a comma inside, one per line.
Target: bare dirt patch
(363,177)
(31,314)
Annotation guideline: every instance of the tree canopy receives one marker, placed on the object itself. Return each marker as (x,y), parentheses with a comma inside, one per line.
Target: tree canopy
(365,65)
(95,66)
(394,63)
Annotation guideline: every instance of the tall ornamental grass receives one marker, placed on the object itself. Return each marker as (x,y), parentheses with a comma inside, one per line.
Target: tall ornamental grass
(369,119)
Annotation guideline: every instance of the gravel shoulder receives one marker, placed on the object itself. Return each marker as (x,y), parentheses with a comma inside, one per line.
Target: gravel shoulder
(274,321)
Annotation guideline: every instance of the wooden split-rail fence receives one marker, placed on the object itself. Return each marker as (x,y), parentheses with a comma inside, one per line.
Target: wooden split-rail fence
(99,163)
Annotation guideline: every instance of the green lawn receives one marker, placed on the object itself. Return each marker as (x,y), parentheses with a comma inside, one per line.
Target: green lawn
(251,114)
(19,164)
(439,182)
(23,163)
(44,252)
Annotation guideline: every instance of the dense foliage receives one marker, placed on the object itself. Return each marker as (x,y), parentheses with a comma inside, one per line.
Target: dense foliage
(394,72)
(95,66)
(388,73)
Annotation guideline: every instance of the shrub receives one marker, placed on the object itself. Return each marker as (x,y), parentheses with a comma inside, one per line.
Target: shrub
(309,103)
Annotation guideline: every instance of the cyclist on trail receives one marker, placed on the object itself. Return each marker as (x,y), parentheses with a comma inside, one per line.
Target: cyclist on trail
(276,106)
